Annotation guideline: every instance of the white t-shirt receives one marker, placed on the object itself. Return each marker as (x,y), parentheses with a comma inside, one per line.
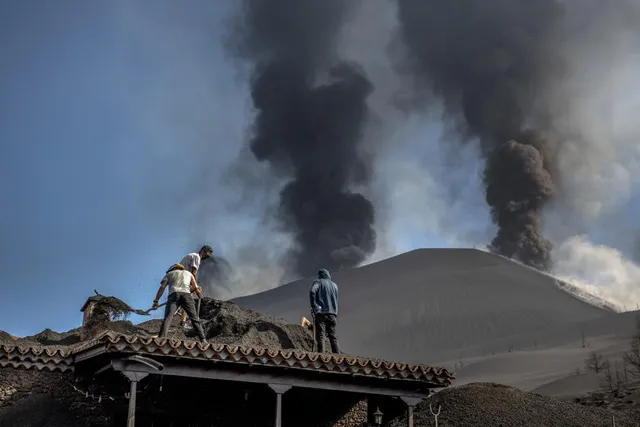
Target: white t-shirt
(190,261)
(178,280)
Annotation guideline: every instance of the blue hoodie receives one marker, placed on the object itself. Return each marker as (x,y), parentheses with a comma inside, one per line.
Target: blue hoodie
(324,294)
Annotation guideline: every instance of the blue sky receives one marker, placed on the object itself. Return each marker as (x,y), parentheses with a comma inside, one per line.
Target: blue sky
(101,146)
(78,161)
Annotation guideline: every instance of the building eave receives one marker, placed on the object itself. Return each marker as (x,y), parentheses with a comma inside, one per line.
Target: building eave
(110,342)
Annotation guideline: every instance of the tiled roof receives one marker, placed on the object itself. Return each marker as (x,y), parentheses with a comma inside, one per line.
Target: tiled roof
(328,363)
(35,358)
(53,359)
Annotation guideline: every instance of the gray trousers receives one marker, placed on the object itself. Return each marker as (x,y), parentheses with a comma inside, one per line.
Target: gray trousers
(326,325)
(185,301)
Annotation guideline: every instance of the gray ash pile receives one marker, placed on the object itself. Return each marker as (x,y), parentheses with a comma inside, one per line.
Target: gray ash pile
(33,398)
(487,404)
(223,322)
(226,323)
(5,338)
(30,398)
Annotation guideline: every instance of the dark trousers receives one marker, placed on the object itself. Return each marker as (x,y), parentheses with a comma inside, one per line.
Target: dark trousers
(326,325)
(185,301)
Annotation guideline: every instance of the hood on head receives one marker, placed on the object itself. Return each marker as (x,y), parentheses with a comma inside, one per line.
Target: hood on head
(324,274)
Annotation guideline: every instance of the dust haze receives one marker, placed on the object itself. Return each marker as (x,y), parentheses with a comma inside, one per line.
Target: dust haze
(530,83)
(345,132)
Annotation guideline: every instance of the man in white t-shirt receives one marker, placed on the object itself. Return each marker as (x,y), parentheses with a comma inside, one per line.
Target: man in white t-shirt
(181,283)
(191,263)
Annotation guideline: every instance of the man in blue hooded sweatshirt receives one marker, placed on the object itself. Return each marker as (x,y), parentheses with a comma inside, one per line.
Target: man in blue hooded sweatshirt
(324,308)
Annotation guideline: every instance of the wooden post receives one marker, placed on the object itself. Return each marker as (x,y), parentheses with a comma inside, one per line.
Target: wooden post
(131,416)
(133,377)
(280,389)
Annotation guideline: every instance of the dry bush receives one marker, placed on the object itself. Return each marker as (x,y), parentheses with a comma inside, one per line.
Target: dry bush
(595,362)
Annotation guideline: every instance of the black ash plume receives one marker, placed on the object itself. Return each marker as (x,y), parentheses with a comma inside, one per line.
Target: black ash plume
(492,65)
(215,273)
(311,111)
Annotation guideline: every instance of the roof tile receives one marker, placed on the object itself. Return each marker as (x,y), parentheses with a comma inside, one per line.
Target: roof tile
(58,359)
(40,366)
(51,359)
(271,357)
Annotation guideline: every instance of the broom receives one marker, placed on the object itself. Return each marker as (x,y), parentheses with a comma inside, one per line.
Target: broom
(315,343)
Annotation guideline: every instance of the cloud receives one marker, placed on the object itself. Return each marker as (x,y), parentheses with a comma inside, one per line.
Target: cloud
(598,270)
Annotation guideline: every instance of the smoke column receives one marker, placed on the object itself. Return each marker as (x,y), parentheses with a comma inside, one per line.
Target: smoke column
(491,65)
(215,273)
(310,113)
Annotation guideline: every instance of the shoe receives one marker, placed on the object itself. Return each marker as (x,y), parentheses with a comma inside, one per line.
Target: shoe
(185,325)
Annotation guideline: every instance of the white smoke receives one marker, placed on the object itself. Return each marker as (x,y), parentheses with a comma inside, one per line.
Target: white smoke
(600,167)
(598,270)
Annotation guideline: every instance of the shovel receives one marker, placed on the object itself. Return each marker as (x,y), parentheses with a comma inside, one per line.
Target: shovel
(315,342)
(146,312)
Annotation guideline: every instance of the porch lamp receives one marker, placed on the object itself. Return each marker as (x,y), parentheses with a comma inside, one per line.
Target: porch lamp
(377,417)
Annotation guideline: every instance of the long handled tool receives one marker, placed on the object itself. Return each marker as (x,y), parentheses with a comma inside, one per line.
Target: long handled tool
(152,308)
(315,341)
(305,323)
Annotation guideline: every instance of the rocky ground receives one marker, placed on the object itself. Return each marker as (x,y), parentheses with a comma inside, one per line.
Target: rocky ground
(485,404)
(355,417)
(626,399)
(30,398)
(224,322)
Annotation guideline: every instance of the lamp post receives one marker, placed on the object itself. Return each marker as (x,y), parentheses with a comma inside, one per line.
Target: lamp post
(377,417)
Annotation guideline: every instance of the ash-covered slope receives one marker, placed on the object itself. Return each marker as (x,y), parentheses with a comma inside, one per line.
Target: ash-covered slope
(433,305)
(224,322)
(483,404)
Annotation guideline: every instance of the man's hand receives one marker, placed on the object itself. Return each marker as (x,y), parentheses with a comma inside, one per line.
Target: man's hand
(315,310)
(163,285)
(155,305)
(195,287)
